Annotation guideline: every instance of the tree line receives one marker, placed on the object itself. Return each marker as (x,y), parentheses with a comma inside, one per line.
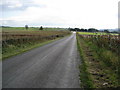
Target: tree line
(88,30)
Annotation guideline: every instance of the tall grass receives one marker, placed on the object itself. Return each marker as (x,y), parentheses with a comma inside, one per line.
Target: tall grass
(106,52)
(85,78)
(108,47)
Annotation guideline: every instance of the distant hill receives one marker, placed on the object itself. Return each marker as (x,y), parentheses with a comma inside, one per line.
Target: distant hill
(4,26)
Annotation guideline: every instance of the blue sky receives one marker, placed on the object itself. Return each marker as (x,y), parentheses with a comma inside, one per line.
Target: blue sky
(60,13)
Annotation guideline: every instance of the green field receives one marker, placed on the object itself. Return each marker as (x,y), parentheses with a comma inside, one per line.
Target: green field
(96,33)
(31,29)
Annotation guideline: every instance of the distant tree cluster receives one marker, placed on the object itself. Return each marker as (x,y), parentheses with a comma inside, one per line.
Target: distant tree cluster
(26,27)
(119,30)
(93,30)
(106,31)
(83,30)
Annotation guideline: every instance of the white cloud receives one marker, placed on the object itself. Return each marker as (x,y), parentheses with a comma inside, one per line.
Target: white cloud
(69,13)
(10,5)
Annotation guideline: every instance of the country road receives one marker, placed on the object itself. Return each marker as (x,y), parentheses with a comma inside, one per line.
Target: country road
(54,65)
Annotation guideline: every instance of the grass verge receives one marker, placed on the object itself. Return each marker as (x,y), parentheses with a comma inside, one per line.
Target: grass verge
(86,81)
(13,50)
(97,67)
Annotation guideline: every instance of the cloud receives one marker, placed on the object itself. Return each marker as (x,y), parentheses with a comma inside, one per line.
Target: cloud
(31,23)
(13,5)
(63,13)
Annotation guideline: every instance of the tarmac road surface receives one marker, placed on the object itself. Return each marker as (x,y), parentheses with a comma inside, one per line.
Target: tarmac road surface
(54,65)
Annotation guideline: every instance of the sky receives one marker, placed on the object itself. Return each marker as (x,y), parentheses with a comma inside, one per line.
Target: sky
(100,14)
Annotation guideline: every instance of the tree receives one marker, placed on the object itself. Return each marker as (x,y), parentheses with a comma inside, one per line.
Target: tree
(41,28)
(26,27)
(71,29)
(77,29)
(119,30)
(106,30)
(82,30)
(92,30)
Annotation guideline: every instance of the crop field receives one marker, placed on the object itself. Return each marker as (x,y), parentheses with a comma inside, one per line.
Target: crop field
(15,40)
(96,33)
(110,42)
(101,59)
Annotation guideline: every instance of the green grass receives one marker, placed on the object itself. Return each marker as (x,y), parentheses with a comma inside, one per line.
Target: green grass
(97,33)
(108,61)
(31,29)
(86,81)
(14,50)
(54,29)
(97,61)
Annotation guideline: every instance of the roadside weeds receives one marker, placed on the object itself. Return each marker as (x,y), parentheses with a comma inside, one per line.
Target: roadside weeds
(94,73)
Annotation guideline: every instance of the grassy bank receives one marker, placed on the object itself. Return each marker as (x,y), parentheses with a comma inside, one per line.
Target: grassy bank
(15,50)
(85,78)
(99,68)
